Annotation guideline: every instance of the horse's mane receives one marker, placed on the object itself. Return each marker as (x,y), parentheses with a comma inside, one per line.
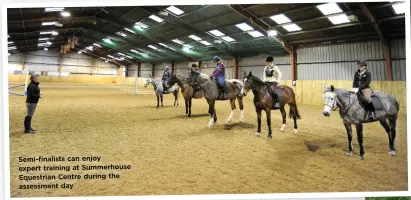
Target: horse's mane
(259,81)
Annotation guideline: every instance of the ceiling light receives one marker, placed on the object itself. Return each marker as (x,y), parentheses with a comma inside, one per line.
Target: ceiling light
(106,60)
(58,24)
(339,19)
(399,8)
(65,14)
(155,18)
(107,40)
(97,45)
(79,52)
(10,42)
(142,25)
(292,27)
(121,34)
(9,54)
(187,46)
(53,9)
(162,44)
(153,47)
(175,10)
(280,19)
(128,56)
(272,32)
(244,27)
(329,8)
(217,33)
(129,30)
(54,33)
(205,43)
(121,54)
(41,44)
(194,37)
(228,39)
(255,34)
(48,23)
(135,51)
(111,56)
(48,43)
(42,39)
(121,59)
(90,48)
(162,13)
(218,41)
(12,48)
(46,49)
(45,33)
(178,41)
(8,36)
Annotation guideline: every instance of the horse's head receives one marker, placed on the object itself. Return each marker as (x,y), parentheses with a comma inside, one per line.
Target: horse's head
(147,81)
(330,100)
(248,83)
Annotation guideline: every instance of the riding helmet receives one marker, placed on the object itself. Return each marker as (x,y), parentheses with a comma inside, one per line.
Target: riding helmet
(269,59)
(362,63)
(216,59)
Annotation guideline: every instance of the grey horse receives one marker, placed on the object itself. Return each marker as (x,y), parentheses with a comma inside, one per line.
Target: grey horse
(159,90)
(352,112)
(211,94)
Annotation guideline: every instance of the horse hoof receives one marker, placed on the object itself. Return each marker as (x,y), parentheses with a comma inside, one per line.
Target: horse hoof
(348,153)
(391,153)
(228,120)
(281,129)
(257,134)
(295,131)
(210,125)
(361,157)
(241,120)
(270,137)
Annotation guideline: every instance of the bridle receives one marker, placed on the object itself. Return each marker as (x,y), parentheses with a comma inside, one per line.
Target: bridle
(336,103)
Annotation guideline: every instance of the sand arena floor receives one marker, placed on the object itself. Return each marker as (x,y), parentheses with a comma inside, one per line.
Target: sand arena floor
(172,154)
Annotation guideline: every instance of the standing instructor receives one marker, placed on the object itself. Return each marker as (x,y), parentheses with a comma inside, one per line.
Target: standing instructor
(33,96)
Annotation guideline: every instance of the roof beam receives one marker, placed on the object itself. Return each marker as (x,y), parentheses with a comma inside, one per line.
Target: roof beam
(190,28)
(368,13)
(261,25)
(324,39)
(326,28)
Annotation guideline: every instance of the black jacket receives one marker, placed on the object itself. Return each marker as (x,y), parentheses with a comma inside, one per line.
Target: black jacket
(33,93)
(362,81)
(166,75)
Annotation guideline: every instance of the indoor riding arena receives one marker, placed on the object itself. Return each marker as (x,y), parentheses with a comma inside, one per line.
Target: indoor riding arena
(94,62)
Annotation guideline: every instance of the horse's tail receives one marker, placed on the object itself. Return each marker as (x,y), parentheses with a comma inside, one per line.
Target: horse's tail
(294,112)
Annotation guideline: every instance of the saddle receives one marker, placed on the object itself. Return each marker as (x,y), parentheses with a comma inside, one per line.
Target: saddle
(375,101)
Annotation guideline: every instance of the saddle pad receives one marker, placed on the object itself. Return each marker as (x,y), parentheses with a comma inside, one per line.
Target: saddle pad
(376,102)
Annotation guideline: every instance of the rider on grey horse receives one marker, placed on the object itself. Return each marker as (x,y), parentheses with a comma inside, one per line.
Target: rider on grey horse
(166,77)
(362,80)
(195,69)
(219,75)
(272,76)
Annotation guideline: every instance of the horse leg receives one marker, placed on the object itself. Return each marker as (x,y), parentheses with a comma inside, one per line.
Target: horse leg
(176,95)
(232,103)
(349,134)
(393,124)
(240,103)
(186,104)
(158,101)
(268,113)
(295,115)
(360,140)
(283,115)
(161,96)
(189,106)
(211,110)
(258,110)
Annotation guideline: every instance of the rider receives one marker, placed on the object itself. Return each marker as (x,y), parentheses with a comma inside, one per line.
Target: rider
(219,75)
(166,77)
(272,76)
(195,69)
(362,80)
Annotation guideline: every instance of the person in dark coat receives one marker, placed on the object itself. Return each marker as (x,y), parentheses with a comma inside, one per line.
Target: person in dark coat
(166,77)
(33,96)
(362,80)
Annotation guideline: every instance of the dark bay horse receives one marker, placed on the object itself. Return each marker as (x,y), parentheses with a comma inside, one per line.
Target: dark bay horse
(211,94)
(263,101)
(351,112)
(186,90)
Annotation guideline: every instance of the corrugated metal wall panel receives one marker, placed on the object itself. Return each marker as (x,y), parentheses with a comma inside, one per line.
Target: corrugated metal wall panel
(41,67)
(42,59)
(182,68)
(102,64)
(341,52)
(158,73)
(15,58)
(106,71)
(398,70)
(145,73)
(398,49)
(146,70)
(84,70)
(132,73)
(338,71)
(260,60)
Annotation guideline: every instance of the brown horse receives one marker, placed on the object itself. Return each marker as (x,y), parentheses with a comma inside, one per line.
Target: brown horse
(263,101)
(186,90)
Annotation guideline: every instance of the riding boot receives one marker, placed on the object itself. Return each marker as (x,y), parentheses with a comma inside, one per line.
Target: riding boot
(223,93)
(31,129)
(371,112)
(276,103)
(27,121)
